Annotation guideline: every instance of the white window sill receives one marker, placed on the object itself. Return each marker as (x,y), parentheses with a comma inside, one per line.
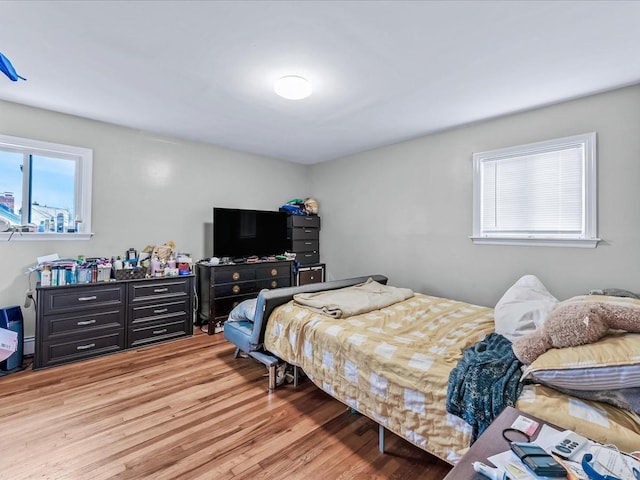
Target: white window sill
(39,236)
(538,242)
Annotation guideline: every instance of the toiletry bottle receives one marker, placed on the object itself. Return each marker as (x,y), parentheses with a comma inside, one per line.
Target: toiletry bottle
(45,276)
(155,266)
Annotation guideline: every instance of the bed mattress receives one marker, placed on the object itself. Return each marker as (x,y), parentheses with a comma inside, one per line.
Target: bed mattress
(393,366)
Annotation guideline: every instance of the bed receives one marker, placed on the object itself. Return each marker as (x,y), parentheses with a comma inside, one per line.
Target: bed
(392,364)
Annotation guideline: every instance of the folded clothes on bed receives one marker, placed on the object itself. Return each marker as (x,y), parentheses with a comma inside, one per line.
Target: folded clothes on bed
(485,382)
(345,302)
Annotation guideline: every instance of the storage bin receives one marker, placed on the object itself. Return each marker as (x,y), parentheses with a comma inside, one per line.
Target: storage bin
(129,273)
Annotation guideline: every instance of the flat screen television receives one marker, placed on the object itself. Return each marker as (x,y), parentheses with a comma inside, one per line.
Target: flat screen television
(244,233)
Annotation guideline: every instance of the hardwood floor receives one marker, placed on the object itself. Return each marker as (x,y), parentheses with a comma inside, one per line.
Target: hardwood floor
(188,410)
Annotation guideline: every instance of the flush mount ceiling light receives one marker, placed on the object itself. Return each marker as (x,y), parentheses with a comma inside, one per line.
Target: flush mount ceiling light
(293,87)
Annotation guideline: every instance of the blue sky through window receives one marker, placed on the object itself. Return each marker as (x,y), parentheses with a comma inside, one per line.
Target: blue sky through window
(53,180)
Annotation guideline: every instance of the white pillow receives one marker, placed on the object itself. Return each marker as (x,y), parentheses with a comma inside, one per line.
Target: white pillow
(523,308)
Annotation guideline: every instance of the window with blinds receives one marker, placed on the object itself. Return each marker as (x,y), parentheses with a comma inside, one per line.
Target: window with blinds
(538,194)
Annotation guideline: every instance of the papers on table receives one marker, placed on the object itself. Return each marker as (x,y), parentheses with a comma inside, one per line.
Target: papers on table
(606,461)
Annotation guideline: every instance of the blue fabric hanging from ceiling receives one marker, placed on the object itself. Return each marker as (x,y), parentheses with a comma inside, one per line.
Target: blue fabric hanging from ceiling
(8,70)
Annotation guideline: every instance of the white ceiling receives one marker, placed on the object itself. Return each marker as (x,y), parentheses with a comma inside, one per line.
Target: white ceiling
(382,71)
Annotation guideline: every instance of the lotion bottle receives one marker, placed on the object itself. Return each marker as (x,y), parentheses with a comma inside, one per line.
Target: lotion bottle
(45,276)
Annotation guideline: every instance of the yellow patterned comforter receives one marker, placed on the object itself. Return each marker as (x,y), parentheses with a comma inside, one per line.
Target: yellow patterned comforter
(393,366)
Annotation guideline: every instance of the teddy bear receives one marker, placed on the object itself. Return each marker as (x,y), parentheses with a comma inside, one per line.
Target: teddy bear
(574,323)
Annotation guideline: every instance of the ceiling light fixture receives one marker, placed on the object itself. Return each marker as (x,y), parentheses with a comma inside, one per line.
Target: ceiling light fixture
(293,87)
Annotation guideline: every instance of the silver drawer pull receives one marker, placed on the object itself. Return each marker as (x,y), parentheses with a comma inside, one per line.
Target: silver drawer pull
(308,243)
(160,290)
(158,332)
(85,347)
(86,322)
(162,310)
(87,299)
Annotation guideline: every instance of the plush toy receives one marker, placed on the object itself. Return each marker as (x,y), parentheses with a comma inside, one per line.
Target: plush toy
(574,323)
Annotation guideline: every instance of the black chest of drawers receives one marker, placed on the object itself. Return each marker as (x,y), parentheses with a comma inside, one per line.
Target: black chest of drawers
(75,322)
(222,287)
(303,232)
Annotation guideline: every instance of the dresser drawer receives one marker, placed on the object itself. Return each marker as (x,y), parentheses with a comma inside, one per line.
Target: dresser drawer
(240,288)
(307,258)
(310,276)
(146,334)
(79,323)
(156,311)
(233,273)
(304,234)
(146,290)
(308,221)
(311,245)
(274,283)
(273,271)
(70,349)
(70,299)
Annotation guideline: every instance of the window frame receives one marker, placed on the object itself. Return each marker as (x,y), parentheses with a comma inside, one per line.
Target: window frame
(82,188)
(588,236)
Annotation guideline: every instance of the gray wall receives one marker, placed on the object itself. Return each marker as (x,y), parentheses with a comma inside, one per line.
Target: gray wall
(146,190)
(405,210)
(402,210)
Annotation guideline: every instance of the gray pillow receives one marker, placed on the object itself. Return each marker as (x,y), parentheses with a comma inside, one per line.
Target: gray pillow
(245,311)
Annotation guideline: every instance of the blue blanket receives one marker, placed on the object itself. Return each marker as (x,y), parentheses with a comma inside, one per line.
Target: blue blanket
(485,381)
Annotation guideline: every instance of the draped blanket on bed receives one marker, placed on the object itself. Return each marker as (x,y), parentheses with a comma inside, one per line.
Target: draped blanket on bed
(355,300)
(485,381)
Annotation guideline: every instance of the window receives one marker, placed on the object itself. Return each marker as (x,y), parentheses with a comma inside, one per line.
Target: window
(45,188)
(537,194)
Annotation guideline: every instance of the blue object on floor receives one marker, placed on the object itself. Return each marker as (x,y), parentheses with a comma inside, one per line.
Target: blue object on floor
(8,70)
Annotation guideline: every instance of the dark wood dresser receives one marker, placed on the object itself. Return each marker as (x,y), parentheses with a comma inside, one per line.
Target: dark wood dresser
(222,287)
(76,322)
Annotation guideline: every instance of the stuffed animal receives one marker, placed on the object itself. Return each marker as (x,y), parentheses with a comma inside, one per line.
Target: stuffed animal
(574,323)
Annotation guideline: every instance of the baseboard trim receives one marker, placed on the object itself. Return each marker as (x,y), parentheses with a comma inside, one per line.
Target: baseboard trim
(28,345)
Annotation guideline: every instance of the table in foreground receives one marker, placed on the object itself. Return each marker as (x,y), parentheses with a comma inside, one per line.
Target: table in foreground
(491,442)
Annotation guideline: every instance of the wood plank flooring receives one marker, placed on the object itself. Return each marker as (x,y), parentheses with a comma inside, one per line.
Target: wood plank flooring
(188,410)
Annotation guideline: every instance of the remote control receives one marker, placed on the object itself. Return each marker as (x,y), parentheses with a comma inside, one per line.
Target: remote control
(570,446)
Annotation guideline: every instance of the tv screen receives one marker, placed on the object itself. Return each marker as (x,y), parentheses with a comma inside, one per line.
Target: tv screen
(244,233)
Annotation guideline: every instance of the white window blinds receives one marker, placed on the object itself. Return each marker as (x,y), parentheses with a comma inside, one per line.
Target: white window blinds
(543,191)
